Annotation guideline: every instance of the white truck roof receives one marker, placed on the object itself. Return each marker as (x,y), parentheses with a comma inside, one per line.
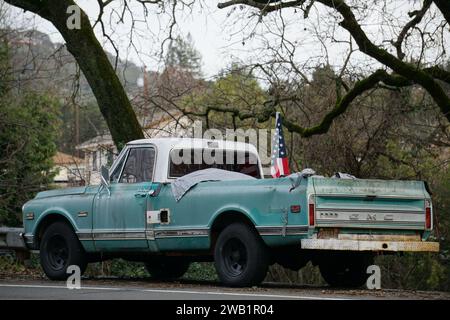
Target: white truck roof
(165,145)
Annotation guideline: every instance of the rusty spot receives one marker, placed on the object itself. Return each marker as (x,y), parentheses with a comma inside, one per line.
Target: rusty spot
(328,233)
(380,237)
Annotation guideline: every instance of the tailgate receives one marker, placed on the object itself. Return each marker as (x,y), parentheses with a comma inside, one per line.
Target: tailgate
(370,204)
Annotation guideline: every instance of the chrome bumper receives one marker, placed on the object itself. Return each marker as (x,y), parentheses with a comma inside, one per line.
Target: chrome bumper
(369,245)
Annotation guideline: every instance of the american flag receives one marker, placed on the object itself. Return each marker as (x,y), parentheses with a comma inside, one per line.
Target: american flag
(279,165)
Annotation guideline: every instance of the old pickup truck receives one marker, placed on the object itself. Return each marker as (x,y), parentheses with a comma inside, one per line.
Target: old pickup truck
(242,222)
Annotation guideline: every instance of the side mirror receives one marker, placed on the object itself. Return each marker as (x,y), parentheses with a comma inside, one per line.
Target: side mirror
(105,178)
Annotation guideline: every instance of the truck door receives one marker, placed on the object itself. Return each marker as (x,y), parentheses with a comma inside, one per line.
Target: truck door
(120,214)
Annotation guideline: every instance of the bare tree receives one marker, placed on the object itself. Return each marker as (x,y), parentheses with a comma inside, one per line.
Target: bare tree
(416,42)
(93,61)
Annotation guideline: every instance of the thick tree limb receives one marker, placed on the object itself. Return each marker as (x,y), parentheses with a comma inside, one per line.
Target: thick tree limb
(265,6)
(93,61)
(408,71)
(340,107)
(342,104)
(438,73)
(402,68)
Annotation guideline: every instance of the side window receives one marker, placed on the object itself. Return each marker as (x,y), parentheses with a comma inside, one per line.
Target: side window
(139,166)
(147,162)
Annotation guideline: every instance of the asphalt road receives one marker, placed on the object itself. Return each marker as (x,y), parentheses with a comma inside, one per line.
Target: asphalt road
(108,289)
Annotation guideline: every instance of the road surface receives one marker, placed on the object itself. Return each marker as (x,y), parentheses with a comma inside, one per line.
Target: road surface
(113,289)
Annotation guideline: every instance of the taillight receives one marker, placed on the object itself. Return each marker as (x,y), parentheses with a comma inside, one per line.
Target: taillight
(428,217)
(311,211)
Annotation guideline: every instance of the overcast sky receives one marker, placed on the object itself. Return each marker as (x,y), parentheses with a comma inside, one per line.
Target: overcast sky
(205,26)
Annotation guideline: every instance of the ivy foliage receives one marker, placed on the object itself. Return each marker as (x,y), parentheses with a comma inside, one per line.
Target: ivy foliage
(28,131)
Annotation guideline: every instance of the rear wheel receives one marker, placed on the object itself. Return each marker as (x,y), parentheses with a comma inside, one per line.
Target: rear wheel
(346,269)
(240,257)
(59,249)
(165,268)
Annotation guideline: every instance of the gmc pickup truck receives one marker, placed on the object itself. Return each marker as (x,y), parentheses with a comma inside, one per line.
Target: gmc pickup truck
(153,208)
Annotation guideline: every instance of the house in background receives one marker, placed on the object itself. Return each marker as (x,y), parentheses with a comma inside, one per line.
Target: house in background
(165,126)
(98,151)
(70,170)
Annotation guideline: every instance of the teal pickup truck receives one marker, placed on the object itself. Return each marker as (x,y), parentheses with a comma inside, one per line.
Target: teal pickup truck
(153,208)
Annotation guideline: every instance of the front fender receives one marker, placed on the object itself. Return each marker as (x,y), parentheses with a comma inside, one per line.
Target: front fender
(53,211)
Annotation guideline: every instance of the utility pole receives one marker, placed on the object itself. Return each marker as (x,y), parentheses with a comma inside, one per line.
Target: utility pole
(77,128)
(145,84)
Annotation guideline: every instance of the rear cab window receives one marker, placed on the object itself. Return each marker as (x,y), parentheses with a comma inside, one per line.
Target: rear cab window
(185,161)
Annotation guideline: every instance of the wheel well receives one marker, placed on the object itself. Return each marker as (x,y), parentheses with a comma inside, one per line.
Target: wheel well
(225,219)
(47,221)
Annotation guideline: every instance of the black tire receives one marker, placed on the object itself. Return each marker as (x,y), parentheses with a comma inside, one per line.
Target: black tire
(59,249)
(166,268)
(346,270)
(240,256)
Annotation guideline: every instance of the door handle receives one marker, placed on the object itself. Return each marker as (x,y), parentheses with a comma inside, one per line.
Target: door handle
(140,195)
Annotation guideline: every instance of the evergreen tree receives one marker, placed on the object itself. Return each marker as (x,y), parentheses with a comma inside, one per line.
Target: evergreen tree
(183,56)
(28,130)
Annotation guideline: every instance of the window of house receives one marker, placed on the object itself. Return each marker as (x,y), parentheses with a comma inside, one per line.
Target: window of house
(138,166)
(94,161)
(109,157)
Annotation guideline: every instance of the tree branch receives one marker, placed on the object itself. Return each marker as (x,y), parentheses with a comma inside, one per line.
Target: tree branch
(366,46)
(265,6)
(340,107)
(93,61)
(404,69)
(418,15)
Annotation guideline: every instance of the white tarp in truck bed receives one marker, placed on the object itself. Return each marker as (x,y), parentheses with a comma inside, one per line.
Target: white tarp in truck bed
(183,184)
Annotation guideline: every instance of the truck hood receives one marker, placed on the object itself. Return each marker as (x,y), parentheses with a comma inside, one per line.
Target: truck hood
(61,192)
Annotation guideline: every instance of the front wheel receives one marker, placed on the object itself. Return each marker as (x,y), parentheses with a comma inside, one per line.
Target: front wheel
(240,257)
(59,249)
(346,269)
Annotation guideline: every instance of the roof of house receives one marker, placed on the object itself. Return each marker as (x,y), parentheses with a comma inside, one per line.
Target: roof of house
(61,158)
(101,140)
(160,124)
(164,121)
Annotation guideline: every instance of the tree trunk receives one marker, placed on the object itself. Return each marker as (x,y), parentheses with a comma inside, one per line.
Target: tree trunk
(93,61)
